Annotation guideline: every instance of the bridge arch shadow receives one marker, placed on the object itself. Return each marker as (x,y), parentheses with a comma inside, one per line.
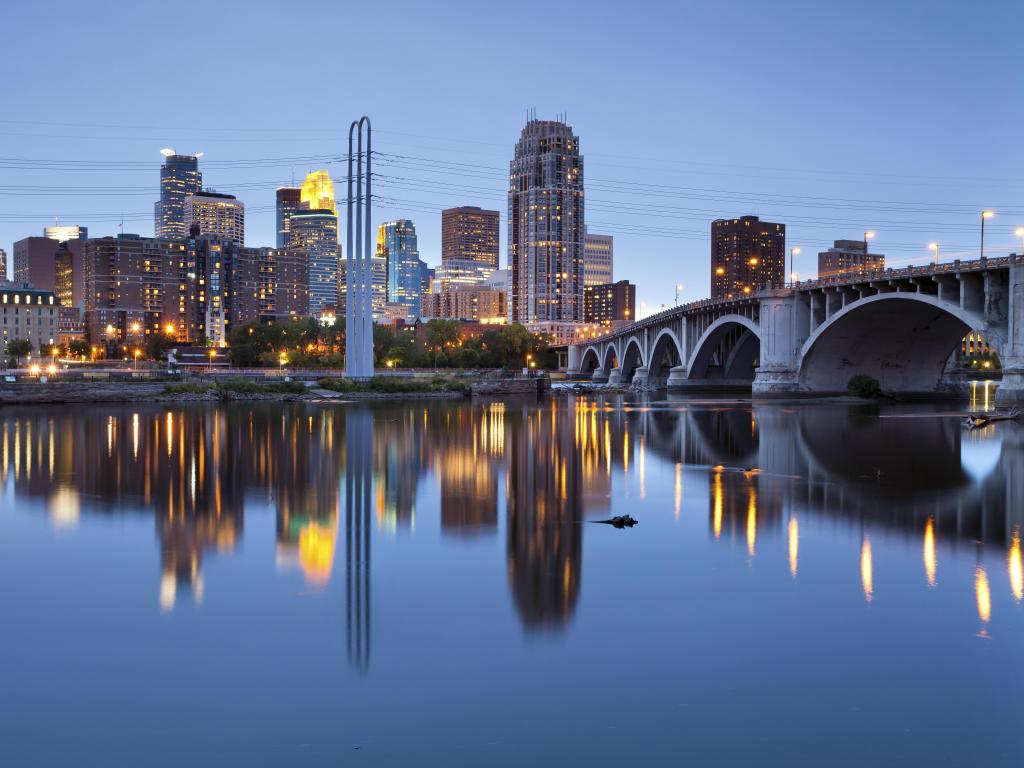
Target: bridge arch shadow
(904,340)
(591,362)
(665,355)
(632,359)
(727,351)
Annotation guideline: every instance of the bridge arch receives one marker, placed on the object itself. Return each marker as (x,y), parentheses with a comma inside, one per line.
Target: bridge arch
(632,358)
(591,361)
(903,340)
(728,349)
(611,357)
(666,353)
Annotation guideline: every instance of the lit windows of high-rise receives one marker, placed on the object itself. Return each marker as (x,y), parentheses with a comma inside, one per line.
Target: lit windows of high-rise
(216,215)
(747,254)
(396,244)
(316,233)
(598,253)
(470,234)
(179,177)
(288,202)
(545,225)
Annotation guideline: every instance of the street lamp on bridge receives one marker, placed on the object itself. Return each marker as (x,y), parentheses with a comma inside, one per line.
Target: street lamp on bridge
(934,247)
(984,215)
(793,253)
(869,235)
(1019,232)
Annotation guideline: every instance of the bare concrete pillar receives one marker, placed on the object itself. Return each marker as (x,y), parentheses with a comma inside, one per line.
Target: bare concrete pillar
(777,372)
(1011,388)
(677,377)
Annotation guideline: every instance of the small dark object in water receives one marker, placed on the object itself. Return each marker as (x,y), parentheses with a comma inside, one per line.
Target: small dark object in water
(619,521)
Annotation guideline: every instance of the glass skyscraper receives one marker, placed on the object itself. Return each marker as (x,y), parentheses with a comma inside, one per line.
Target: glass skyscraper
(288,202)
(396,243)
(179,177)
(545,225)
(316,232)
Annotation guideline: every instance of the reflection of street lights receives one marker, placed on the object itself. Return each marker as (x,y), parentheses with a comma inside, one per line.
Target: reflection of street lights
(984,215)
(934,247)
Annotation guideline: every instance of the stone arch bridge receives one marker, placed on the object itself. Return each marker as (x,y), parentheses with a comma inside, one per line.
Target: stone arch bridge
(901,326)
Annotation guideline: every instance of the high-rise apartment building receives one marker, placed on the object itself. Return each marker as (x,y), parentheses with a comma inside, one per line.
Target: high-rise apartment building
(316,233)
(469,245)
(62,232)
(610,304)
(179,177)
(545,225)
(317,192)
(746,254)
(269,285)
(35,262)
(848,257)
(475,305)
(598,255)
(288,202)
(396,244)
(216,215)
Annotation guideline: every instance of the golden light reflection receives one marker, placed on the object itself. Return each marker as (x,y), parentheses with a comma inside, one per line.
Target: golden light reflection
(929,551)
(794,545)
(643,468)
(983,596)
(716,494)
(679,488)
(866,570)
(752,522)
(1015,567)
(316,553)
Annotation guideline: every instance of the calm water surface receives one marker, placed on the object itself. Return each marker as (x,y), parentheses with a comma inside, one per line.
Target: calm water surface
(425,584)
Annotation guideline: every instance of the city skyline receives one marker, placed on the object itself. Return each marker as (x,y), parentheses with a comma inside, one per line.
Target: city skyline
(945,146)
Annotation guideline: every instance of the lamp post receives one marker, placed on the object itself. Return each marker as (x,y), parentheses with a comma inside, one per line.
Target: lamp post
(136,354)
(1019,232)
(984,215)
(679,287)
(213,355)
(793,253)
(869,235)
(934,247)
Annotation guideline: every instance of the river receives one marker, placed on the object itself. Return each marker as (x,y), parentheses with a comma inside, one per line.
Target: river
(427,583)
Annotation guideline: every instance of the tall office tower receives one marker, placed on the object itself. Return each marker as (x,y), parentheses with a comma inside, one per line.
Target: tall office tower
(847,257)
(598,254)
(3,265)
(216,215)
(288,202)
(426,275)
(68,278)
(179,177)
(317,192)
(61,233)
(35,261)
(545,224)
(316,232)
(378,288)
(746,254)
(396,244)
(469,244)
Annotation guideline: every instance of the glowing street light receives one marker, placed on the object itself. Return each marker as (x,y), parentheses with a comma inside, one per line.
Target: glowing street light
(868,235)
(169,329)
(136,354)
(679,287)
(984,215)
(793,253)
(213,355)
(282,359)
(1019,232)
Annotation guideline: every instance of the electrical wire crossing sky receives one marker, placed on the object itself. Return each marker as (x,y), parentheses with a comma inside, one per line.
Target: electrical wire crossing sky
(899,118)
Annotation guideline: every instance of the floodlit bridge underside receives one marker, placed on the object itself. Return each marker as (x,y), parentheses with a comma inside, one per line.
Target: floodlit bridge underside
(902,328)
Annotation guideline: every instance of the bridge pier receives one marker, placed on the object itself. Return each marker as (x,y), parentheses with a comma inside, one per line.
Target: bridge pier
(599,377)
(615,377)
(777,373)
(641,377)
(676,377)
(1011,388)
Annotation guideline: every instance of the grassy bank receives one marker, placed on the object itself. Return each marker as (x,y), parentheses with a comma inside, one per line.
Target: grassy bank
(392,385)
(237,387)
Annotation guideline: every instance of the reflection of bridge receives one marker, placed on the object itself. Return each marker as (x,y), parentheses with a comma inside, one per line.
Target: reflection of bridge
(899,326)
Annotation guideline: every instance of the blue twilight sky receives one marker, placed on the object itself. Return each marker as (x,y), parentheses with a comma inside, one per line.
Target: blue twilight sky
(901,117)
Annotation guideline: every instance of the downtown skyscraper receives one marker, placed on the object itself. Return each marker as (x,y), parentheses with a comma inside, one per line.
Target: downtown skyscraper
(397,245)
(179,177)
(545,225)
(288,201)
(469,246)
